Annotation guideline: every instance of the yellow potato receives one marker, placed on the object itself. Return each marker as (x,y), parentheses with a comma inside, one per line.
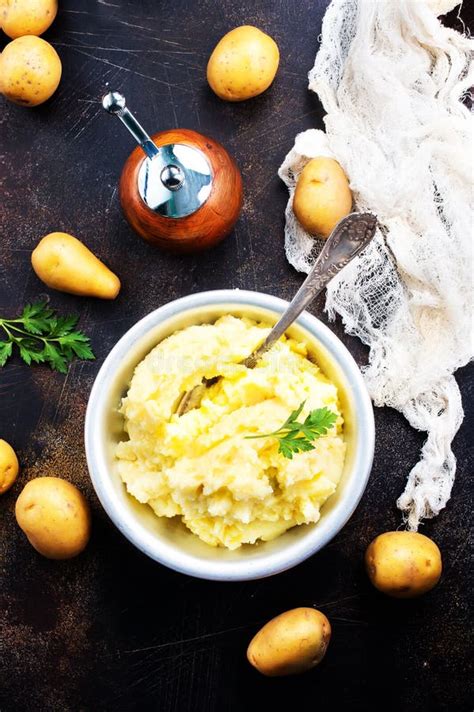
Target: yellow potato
(291,643)
(55,517)
(63,262)
(243,64)
(9,466)
(27,17)
(403,564)
(322,196)
(30,71)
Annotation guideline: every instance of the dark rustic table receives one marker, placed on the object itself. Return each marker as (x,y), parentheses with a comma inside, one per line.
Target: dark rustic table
(112,630)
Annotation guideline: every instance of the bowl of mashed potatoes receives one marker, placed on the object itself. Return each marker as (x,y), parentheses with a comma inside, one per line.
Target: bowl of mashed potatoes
(200,492)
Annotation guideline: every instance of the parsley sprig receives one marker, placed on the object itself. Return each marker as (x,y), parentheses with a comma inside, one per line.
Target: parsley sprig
(297,437)
(42,336)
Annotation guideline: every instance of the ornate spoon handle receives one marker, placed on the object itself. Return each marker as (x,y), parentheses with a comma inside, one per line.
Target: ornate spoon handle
(348,238)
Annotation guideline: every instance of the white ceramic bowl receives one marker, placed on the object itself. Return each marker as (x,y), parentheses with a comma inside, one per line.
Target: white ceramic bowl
(167,540)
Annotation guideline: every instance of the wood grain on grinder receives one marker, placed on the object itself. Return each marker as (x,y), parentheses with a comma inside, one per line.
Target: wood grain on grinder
(211,223)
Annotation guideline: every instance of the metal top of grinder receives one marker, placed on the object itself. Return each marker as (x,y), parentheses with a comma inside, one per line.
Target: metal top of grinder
(173,180)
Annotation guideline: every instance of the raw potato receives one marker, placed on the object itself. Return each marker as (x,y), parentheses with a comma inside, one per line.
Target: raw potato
(54,516)
(243,64)
(403,564)
(9,466)
(27,17)
(63,262)
(30,71)
(322,196)
(291,643)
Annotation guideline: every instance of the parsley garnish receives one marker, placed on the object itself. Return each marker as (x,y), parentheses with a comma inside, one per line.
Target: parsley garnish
(43,337)
(298,437)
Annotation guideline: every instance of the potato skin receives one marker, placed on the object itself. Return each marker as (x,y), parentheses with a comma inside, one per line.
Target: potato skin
(30,71)
(63,262)
(28,17)
(243,64)
(322,196)
(403,564)
(55,517)
(9,467)
(291,643)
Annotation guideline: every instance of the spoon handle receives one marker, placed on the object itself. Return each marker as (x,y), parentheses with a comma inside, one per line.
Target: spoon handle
(348,238)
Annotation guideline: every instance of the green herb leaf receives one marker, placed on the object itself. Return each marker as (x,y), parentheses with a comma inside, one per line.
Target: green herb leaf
(25,354)
(65,324)
(297,437)
(42,336)
(82,349)
(36,318)
(6,348)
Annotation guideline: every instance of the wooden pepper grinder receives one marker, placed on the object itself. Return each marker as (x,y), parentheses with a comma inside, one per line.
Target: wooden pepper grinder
(179,189)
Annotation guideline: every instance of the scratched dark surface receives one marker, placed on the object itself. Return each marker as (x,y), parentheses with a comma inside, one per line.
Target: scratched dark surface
(112,630)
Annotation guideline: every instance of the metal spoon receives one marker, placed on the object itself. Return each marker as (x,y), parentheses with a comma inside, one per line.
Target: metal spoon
(348,238)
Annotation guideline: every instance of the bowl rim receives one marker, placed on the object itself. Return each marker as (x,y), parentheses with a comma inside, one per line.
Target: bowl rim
(244,569)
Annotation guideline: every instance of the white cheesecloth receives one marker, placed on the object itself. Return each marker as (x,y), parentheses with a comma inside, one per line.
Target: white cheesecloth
(391,79)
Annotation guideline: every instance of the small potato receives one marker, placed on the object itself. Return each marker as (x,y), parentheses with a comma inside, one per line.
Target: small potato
(30,71)
(54,516)
(403,564)
(322,196)
(243,64)
(291,643)
(63,262)
(9,466)
(27,17)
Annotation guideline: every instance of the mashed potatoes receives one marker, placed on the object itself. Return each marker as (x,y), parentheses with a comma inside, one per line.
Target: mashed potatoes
(226,489)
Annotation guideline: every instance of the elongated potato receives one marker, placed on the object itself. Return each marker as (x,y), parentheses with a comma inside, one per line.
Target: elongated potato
(291,643)
(403,564)
(322,196)
(243,64)
(27,17)
(55,517)
(9,466)
(63,262)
